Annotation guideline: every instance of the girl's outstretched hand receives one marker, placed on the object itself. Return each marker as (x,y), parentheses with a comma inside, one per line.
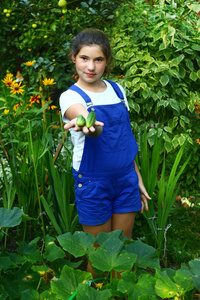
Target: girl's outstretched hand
(85,130)
(143,198)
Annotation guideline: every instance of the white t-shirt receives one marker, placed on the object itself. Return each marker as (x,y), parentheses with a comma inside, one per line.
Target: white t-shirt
(70,97)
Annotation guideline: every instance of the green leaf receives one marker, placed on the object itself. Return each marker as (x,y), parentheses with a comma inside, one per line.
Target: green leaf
(53,252)
(10,218)
(131,71)
(104,236)
(168,129)
(68,282)
(110,256)
(193,76)
(146,255)
(135,288)
(183,278)
(165,287)
(30,294)
(174,104)
(195,47)
(85,292)
(4,295)
(30,251)
(168,146)
(48,295)
(78,244)
(164,80)
(164,103)
(134,106)
(135,80)
(189,64)
(195,269)
(6,263)
(194,7)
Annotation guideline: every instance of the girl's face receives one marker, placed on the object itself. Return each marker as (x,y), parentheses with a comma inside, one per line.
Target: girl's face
(90,65)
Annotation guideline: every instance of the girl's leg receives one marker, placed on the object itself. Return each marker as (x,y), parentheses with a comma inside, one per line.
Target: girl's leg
(95,230)
(124,221)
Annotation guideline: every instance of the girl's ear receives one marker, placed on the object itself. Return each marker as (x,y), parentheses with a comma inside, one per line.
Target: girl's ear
(73,58)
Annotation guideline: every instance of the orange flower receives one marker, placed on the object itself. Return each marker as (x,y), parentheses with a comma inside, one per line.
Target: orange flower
(75,77)
(120,76)
(35,99)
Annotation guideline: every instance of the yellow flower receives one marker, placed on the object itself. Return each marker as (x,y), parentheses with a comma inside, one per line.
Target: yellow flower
(198,141)
(9,75)
(16,88)
(99,285)
(8,80)
(49,81)
(29,63)
(6,111)
(52,107)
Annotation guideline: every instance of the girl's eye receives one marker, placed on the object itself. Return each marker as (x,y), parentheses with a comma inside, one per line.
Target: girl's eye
(99,59)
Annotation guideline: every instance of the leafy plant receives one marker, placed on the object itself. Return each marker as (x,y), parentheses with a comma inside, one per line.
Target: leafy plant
(43,273)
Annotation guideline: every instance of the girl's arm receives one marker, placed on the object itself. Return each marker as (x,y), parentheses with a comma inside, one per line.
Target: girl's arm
(143,193)
(78,109)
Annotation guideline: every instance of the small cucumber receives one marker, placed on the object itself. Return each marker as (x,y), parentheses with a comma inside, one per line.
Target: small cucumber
(80,121)
(91,118)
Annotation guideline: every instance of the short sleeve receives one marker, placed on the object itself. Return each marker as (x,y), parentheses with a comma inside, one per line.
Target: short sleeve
(67,99)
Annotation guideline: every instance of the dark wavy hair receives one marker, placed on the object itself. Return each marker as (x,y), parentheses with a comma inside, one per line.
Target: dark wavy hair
(92,36)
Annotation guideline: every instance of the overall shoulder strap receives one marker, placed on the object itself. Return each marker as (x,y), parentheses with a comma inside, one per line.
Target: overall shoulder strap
(116,89)
(77,89)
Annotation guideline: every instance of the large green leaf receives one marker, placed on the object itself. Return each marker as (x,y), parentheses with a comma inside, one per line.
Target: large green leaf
(104,236)
(6,263)
(30,251)
(136,287)
(53,252)
(68,282)
(195,269)
(165,287)
(183,278)
(30,295)
(78,244)
(146,255)
(84,292)
(10,218)
(111,256)
(48,295)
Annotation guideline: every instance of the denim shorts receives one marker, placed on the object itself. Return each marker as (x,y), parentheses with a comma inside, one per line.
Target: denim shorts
(98,197)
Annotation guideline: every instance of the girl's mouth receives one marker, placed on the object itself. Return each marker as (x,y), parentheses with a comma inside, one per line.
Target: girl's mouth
(90,74)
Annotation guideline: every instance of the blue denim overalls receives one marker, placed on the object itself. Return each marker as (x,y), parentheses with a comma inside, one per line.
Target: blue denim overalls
(112,154)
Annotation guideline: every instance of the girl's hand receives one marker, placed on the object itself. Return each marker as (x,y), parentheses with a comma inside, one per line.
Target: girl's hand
(85,130)
(143,198)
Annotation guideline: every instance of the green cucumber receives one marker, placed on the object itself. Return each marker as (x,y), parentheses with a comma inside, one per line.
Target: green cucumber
(80,121)
(91,118)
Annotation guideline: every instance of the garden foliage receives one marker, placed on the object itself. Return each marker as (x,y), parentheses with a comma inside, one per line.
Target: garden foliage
(156,54)
(156,59)
(35,274)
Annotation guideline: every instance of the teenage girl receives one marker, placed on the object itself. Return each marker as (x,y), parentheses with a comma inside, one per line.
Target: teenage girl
(108,185)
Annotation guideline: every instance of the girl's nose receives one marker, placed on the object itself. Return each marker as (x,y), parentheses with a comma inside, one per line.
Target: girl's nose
(91,65)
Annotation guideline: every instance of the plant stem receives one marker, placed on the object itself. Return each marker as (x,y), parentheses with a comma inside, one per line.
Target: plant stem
(36,179)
